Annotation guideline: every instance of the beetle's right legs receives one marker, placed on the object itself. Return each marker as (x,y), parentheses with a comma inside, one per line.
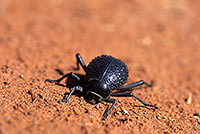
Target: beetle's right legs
(129,94)
(64,76)
(138,83)
(81,62)
(78,88)
(113,101)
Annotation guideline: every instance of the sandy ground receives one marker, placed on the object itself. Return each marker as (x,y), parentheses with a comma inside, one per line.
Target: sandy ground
(158,40)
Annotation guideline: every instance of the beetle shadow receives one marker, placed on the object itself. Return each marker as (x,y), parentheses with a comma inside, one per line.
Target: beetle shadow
(59,71)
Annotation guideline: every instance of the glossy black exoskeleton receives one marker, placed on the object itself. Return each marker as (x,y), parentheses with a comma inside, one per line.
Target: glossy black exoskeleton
(103,75)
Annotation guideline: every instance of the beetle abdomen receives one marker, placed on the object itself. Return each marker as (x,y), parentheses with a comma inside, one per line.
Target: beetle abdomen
(109,70)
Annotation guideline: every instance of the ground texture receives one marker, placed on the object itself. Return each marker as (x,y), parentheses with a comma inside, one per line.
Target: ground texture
(158,40)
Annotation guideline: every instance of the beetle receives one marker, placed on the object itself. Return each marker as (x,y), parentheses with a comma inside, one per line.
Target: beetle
(104,74)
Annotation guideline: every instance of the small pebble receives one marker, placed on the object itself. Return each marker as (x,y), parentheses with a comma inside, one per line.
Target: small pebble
(196,116)
(189,99)
(158,117)
(5,83)
(125,111)
(21,76)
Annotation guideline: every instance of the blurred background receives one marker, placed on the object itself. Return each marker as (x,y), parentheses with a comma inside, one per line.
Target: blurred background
(158,40)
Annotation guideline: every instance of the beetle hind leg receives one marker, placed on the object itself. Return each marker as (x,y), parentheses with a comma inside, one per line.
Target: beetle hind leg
(136,84)
(129,94)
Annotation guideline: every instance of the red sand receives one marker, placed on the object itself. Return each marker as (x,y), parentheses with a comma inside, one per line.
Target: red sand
(158,40)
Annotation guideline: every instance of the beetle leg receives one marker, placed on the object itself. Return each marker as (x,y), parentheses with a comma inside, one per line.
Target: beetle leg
(129,94)
(81,62)
(71,92)
(113,101)
(64,76)
(139,83)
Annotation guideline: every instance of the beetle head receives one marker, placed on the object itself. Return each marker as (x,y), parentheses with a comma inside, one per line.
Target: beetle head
(96,91)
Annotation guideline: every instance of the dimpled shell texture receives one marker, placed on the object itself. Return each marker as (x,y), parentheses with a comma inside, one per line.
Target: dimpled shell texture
(109,70)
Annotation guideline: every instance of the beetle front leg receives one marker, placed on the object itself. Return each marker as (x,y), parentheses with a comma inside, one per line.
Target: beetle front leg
(113,101)
(129,94)
(77,88)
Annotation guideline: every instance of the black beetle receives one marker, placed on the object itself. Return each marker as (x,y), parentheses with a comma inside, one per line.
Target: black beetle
(104,74)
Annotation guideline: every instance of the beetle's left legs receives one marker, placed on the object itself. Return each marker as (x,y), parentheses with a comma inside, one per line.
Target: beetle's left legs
(139,83)
(71,92)
(64,76)
(113,101)
(81,62)
(129,94)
